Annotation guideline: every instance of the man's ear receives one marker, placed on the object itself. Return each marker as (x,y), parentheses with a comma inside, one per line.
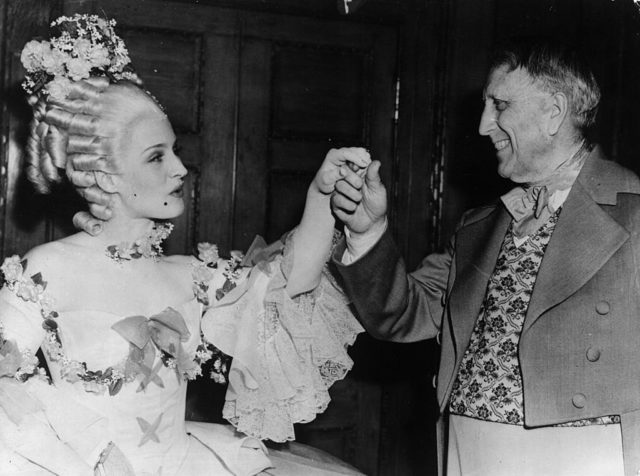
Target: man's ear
(559,112)
(107,182)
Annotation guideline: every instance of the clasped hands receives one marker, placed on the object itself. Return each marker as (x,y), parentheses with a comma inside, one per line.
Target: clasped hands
(358,197)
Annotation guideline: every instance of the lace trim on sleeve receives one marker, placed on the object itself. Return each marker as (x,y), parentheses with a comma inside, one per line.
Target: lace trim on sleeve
(287,352)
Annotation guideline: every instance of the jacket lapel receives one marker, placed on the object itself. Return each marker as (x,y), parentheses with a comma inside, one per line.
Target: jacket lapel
(584,239)
(477,247)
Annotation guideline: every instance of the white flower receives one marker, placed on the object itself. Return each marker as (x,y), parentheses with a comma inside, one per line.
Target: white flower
(12,268)
(28,290)
(78,68)
(99,56)
(53,62)
(103,25)
(59,88)
(71,371)
(96,54)
(82,47)
(46,303)
(201,274)
(32,55)
(94,387)
(208,253)
(218,378)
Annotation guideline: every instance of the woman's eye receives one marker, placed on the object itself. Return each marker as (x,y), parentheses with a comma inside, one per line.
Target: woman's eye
(155,158)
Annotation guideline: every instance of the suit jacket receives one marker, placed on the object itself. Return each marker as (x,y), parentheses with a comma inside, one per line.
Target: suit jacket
(579,348)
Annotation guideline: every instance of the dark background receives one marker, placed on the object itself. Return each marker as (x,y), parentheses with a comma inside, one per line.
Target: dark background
(258,90)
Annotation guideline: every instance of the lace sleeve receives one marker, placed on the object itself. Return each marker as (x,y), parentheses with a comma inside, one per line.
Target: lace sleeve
(286,352)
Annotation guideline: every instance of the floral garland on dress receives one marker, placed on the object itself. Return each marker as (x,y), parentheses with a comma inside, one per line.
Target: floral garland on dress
(202,275)
(23,364)
(149,246)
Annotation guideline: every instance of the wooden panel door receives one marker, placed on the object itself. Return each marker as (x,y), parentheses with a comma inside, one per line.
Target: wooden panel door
(256,100)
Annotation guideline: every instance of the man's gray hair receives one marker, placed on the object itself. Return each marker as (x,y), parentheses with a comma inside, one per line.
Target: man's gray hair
(558,68)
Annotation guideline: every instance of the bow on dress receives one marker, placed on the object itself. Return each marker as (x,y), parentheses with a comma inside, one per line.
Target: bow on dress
(165,331)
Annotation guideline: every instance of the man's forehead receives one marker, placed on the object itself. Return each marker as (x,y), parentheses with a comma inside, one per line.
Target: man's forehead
(504,81)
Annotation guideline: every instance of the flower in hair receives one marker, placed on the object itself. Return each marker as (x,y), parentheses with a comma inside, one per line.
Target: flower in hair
(80,46)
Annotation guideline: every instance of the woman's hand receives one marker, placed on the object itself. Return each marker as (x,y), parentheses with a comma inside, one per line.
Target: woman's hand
(347,163)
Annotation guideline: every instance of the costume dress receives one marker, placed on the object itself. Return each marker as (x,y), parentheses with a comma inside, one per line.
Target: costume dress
(119,382)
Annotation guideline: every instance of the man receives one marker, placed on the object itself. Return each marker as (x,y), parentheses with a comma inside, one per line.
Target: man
(535,300)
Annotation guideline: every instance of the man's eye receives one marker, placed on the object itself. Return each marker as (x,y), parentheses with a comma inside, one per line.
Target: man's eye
(177,149)
(500,105)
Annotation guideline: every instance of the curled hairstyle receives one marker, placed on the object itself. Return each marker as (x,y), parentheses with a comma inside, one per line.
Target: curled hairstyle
(556,67)
(81,137)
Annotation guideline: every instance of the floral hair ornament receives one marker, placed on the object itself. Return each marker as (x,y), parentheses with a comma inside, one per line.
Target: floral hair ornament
(81,46)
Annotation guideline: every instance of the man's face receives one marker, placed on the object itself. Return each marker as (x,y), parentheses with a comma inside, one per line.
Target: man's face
(516,119)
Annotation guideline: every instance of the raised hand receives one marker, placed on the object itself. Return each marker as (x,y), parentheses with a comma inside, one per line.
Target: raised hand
(347,163)
(361,208)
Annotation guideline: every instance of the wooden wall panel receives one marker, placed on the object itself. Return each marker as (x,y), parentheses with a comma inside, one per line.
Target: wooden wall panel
(253,142)
(24,213)
(219,130)
(304,79)
(170,63)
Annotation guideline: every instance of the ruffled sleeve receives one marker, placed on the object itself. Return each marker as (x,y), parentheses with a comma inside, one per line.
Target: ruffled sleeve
(286,352)
(38,429)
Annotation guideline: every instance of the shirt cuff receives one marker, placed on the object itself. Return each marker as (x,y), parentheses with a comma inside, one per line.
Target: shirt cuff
(360,244)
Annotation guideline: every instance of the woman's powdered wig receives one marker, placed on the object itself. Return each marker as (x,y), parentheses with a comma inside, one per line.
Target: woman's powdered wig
(81,135)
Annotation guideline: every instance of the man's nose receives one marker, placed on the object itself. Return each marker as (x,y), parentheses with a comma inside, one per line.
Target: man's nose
(487,121)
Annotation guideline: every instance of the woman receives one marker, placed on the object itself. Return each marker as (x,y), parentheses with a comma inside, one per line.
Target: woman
(120,324)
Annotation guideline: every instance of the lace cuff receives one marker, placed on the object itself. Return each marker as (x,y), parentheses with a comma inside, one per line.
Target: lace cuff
(286,352)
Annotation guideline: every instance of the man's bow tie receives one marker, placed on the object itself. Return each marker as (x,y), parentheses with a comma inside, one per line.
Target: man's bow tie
(529,207)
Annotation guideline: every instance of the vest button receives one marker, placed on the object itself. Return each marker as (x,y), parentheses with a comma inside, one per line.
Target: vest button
(593,354)
(434,381)
(579,400)
(603,308)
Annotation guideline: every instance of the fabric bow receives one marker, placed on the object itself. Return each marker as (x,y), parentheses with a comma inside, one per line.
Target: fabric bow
(259,253)
(164,331)
(529,207)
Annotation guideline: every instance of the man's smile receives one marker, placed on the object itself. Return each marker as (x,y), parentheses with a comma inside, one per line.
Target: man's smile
(501,144)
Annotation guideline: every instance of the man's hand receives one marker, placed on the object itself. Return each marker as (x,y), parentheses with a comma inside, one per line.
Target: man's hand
(363,208)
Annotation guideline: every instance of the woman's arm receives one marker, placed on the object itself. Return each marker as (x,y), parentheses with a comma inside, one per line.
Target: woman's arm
(312,239)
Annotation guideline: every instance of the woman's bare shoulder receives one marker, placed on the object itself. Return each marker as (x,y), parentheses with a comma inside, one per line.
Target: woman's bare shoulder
(59,258)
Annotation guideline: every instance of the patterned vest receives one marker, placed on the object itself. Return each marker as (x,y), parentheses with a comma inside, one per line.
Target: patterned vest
(489,384)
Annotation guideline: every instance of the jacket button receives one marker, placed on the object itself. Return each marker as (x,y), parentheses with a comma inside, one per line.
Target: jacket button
(579,400)
(593,354)
(603,308)
(434,381)
(439,338)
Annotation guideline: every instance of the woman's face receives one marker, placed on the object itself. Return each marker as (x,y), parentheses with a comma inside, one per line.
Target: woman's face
(151,178)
